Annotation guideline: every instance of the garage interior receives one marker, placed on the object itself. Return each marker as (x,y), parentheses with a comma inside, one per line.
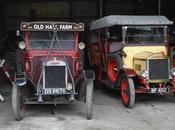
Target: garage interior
(13,12)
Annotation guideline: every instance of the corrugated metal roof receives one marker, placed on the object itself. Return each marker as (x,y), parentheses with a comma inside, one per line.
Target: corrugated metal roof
(129,20)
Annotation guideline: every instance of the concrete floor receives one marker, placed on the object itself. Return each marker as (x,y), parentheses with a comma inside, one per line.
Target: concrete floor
(149,113)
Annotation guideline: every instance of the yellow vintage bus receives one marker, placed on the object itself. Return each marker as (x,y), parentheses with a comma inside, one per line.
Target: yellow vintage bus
(130,53)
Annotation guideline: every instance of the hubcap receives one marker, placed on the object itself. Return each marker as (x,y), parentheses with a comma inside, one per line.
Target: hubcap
(112,70)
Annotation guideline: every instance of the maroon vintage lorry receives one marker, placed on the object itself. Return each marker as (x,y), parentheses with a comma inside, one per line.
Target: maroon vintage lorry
(50,67)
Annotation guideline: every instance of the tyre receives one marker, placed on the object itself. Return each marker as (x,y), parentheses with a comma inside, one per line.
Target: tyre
(127,92)
(18,105)
(89,98)
(114,65)
(81,88)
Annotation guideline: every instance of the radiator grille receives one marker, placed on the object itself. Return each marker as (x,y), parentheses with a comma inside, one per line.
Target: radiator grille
(37,66)
(158,69)
(55,76)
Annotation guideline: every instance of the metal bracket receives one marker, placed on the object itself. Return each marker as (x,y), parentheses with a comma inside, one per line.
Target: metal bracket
(40,98)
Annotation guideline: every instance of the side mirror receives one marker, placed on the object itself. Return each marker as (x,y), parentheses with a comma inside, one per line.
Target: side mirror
(81,45)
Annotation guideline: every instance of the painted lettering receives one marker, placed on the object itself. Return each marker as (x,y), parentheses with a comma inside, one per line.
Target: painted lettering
(40,27)
(66,27)
(48,27)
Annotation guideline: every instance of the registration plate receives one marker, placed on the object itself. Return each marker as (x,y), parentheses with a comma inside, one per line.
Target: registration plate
(159,90)
(54,91)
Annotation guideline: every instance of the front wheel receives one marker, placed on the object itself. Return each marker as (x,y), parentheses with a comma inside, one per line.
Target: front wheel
(127,92)
(18,105)
(89,98)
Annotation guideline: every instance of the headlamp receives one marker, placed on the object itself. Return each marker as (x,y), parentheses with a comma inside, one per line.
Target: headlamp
(144,73)
(22,45)
(81,45)
(69,86)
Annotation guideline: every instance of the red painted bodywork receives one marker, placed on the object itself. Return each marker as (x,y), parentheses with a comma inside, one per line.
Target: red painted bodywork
(35,69)
(99,51)
(130,72)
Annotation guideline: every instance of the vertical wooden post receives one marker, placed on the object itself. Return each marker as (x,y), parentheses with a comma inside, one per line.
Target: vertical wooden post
(101,8)
(159,7)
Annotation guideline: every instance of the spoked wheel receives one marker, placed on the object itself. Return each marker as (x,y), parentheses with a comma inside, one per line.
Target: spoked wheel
(127,92)
(114,65)
(89,98)
(18,105)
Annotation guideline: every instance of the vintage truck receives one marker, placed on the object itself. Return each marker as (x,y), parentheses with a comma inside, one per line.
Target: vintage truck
(130,53)
(50,68)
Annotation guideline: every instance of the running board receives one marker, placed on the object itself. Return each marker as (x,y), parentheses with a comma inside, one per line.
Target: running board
(108,85)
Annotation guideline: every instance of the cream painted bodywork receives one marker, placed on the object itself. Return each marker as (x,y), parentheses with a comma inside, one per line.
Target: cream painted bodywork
(141,64)
(140,60)
(141,53)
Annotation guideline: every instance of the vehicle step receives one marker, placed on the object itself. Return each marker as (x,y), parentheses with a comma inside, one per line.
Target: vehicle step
(106,83)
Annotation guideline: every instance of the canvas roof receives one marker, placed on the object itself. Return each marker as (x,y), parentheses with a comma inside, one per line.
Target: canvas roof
(129,20)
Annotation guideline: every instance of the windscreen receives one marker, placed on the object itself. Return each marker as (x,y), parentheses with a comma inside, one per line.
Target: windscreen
(144,35)
(42,40)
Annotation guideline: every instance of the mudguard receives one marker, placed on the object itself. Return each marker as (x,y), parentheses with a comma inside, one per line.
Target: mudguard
(128,72)
(20,79)
(117,83)
(88,75)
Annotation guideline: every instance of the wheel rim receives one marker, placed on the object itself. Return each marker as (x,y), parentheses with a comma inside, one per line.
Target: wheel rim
(111,69)
(124,91)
